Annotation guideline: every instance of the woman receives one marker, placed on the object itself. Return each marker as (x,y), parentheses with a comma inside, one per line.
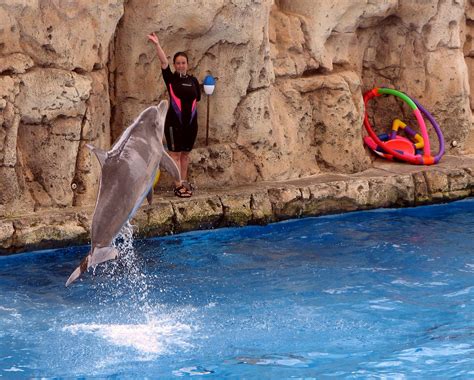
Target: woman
(181,120)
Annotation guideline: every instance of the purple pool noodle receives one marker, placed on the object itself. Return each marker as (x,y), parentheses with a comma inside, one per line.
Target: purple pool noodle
(407,129)
(436,127)
(410,131)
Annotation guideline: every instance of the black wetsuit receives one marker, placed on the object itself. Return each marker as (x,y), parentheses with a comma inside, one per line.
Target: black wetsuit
(181,120)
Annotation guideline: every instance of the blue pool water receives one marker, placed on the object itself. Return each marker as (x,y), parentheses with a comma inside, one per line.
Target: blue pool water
(380,294)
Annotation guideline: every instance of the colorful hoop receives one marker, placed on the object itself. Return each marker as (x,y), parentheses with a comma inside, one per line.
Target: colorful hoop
(418,159)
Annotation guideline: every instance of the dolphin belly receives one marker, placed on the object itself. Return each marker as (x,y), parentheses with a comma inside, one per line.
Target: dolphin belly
(118,200)
(144,194)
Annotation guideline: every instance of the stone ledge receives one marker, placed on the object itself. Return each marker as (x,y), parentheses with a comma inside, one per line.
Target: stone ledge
(387,184)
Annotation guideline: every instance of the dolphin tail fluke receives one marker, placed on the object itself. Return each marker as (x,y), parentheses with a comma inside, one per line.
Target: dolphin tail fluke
(95,257)
(101,255)
(78,271)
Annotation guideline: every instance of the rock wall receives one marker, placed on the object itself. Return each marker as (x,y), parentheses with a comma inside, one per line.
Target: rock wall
(54,99)
(469,58)
(288,101)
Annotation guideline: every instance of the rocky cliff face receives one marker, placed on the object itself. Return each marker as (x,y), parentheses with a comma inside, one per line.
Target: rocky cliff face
(288,101)
(54,98)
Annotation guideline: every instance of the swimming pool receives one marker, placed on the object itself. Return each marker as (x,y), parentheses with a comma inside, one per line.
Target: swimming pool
(385,293)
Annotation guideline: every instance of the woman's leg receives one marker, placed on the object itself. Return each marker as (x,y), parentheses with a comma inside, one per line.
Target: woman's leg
(183,165)
(176,156)
(179,189)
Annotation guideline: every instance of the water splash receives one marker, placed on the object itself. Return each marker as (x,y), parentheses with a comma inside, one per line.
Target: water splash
(129,313)
(124,281)
(156,337)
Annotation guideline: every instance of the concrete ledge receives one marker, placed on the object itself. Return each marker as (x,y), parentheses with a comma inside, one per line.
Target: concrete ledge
(387,184)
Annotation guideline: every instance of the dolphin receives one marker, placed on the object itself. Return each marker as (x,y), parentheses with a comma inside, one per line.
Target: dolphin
(128,171)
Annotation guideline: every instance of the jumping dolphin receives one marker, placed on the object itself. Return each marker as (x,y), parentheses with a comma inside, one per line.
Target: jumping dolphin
(128,172)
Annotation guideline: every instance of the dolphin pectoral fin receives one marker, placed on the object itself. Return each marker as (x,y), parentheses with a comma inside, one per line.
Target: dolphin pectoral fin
(101,255)
(149,196)
(170,166)
(78,271)
(99,153)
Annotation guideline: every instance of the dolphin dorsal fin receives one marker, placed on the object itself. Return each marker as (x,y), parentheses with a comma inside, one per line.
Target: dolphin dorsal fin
(99,153)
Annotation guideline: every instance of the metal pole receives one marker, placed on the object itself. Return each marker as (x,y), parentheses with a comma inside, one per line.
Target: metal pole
(207,122)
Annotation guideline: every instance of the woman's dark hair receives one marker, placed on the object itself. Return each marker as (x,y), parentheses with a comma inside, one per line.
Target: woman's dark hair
(180,54)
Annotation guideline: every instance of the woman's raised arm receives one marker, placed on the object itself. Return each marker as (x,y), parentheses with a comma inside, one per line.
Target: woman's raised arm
(161,54)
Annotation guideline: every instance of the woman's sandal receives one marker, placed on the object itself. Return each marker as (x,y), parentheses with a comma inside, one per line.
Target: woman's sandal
(189,187)
(182,192)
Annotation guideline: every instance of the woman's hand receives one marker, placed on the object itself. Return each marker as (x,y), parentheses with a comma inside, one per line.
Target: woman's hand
(154,38)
